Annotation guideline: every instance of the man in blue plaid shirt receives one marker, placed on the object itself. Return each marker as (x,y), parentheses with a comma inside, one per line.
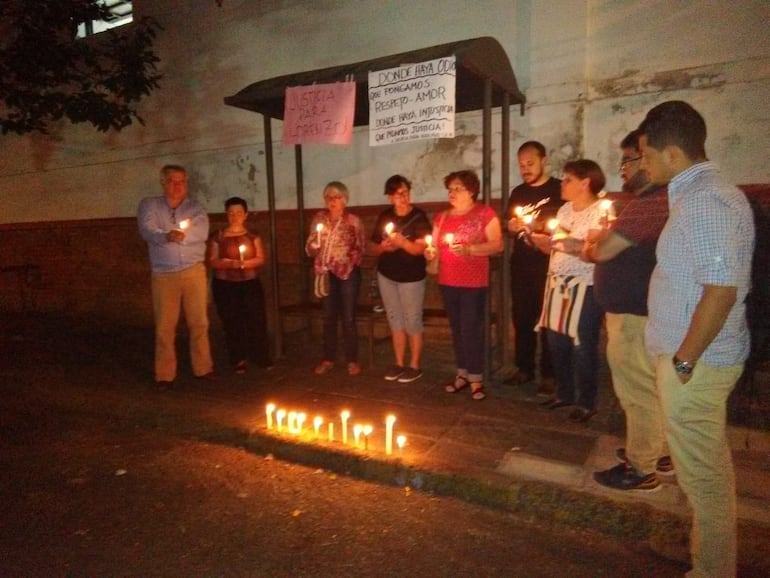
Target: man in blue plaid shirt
(697,331)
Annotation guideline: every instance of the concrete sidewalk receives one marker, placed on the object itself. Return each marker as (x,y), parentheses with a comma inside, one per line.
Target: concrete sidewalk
(505,451)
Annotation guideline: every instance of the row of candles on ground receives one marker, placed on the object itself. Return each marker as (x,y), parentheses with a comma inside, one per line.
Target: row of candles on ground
(295,424)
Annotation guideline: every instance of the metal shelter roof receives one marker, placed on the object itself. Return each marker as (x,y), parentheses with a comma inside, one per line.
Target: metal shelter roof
(477,60)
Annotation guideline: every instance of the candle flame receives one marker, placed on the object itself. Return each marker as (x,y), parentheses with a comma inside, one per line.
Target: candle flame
(518,211)
(553,224)
(319,227)
(184,224)
(605,205)
(449,238)
(429,240)
(401,441)
(389,228)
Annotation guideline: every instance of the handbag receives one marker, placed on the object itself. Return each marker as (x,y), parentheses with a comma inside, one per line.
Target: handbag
(321,285)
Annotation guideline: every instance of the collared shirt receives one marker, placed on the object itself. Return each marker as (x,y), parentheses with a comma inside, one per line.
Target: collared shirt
(342,244)
(575,224)
(708,240)
(156,219)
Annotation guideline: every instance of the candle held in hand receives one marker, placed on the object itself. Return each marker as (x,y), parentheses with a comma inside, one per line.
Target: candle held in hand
(389,229)
(241,251)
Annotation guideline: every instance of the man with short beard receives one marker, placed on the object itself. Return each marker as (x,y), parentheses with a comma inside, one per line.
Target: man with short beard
(529,266)
(625,257)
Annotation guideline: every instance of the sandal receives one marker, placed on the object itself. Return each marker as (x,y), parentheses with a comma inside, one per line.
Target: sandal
(477,391)
(323,367)
(460,382)
(353,368)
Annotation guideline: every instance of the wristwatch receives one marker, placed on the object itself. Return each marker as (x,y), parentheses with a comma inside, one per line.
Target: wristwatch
(682,367)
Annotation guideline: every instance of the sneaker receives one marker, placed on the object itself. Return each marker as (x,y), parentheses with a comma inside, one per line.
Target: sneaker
(581,414)
(624,477)
(664,467)
(240,367)
(410,374)
(394,372)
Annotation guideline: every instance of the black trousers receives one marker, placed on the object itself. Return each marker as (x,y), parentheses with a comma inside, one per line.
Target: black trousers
(527,287)
(241,307)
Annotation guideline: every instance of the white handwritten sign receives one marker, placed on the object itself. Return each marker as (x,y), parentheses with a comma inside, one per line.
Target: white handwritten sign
(321,113)
(412,102)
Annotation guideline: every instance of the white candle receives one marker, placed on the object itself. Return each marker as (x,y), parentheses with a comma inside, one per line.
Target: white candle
(527,219)
(605,206)
(300,421)
(279,415)
(317,421)
(345,415)
(389,421)
(401,442)
(552,225)
(291,419)
(330,435)
(318,230)
(518,211)
(449,238)
(184,224)
(357,429)
(269,409)
(389,229)
(241,250)
(429,240)
(367,431)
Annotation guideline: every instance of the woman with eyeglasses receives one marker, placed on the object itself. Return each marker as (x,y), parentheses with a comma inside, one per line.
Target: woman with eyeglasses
(464,237)
(337,243)
(398,242)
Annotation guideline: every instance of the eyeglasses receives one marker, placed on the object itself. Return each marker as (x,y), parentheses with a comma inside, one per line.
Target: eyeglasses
(624,162)
(456,189)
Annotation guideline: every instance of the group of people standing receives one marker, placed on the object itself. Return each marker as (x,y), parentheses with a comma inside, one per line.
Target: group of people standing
(176,229)
(669,277)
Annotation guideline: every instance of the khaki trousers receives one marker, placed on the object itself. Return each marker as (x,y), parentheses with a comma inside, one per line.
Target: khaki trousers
(633,378)
(172,292)
(696,415)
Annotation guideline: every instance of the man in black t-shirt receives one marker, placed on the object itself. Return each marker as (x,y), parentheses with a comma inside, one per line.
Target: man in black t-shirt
(529,266)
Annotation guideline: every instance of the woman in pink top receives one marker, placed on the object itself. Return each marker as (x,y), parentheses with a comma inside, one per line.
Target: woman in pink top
(337,242)
(464,237)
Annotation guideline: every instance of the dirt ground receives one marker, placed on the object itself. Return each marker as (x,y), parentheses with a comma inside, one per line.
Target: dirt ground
(85,496)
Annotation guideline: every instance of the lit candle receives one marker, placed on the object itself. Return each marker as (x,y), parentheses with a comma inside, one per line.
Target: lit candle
(429,240)
(552,225)
(389,421)
(291,420)
(449,238)
(241,250)
(357,429)
(401,442)
(318,230)
(300,421)
(184,224)
(317,421)
(527,219)
(518,211)
(367,430)
(269,409)
(389,229)
(330,435)
(605,205)
(345,415)
(279,415)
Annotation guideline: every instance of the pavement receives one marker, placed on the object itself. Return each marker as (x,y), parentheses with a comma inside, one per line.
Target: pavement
(505,451)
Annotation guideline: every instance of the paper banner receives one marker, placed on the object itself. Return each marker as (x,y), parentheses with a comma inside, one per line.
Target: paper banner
(320,113)
(412,102)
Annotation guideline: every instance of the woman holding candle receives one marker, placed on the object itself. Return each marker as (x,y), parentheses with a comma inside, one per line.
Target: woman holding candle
(464,237)
(337,247)
(237,256)
(398,242)
(571,317)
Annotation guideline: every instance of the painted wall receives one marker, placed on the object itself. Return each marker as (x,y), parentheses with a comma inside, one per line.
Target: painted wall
(590,70)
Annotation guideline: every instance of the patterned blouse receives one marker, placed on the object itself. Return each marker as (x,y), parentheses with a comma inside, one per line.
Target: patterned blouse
(339,246)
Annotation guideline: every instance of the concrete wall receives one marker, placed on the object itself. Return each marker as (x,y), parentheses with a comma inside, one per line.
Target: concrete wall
(590,70)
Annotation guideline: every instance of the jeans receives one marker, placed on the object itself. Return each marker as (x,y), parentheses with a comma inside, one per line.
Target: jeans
(341,304)
(576,366)
(465,308)
(527,288)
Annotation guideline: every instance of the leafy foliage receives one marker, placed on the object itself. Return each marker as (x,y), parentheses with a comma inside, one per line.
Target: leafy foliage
(47,74)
